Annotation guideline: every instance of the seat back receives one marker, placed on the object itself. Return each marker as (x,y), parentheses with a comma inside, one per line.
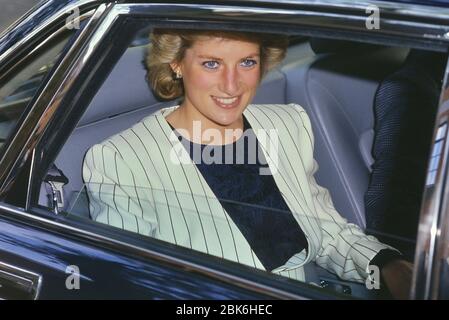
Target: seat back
(337,91)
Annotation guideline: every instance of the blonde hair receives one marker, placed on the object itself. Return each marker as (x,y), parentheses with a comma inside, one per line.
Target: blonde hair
(169,45)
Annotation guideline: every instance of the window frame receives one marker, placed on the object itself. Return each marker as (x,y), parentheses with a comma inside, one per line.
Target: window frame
(431,251)
(177,14)
(60,37)
(18,145)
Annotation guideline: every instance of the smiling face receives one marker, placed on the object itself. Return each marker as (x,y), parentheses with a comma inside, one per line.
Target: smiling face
(220,78)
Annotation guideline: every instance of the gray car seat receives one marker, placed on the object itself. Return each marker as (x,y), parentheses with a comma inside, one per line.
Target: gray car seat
(337,90)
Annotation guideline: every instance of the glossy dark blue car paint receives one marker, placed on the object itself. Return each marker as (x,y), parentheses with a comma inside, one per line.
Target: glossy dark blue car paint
(103,273)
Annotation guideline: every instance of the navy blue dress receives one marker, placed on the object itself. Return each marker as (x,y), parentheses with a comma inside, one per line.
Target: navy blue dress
(253,201)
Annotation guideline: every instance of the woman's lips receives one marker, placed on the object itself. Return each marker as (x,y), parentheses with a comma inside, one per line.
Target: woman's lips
(227,103)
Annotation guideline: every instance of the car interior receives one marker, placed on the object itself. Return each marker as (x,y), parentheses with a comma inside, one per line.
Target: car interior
(342,119)
(335,81)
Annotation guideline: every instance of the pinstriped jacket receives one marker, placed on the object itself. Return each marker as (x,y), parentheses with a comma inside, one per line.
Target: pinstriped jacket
(134,182)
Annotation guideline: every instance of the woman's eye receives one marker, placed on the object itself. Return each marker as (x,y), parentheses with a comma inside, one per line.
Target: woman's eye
(211,64)
(248,63)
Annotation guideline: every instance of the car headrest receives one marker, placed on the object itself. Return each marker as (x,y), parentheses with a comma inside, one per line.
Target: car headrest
(125,89)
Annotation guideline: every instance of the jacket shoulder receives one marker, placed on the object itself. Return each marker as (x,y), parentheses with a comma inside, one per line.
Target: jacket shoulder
(289,112)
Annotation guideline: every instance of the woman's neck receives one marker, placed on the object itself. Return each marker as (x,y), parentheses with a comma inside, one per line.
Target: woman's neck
(199,129)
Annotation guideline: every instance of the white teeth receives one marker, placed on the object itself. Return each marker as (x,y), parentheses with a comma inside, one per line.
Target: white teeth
(226,100)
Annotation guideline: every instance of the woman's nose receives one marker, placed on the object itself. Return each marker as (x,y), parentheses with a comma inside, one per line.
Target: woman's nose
(230,83)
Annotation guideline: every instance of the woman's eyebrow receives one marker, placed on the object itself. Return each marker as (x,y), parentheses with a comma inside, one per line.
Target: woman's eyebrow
(254,55)
(209,57)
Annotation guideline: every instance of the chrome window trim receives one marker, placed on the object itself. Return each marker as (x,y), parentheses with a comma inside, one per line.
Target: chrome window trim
(441,255)
(127,248)
(30,179)
(439,249)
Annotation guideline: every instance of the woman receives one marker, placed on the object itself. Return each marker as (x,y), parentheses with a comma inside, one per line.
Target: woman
(180,175)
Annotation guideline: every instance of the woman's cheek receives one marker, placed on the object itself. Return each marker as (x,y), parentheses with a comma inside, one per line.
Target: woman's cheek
(203,81)
(252,79)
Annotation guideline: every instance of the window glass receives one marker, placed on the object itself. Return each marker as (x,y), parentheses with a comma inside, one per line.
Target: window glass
(126,163)
(17,89)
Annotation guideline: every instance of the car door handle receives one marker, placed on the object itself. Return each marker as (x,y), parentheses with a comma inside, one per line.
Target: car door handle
(18,284)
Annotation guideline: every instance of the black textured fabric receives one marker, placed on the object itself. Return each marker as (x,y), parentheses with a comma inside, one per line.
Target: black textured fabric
(405,106)
(253,201)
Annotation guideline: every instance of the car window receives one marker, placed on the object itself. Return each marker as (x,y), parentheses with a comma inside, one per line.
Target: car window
(110,171)
(224,240)
(20,85)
